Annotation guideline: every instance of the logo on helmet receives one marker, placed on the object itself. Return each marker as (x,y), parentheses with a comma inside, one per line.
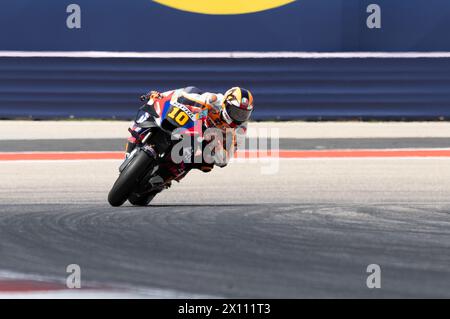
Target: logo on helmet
(224,6)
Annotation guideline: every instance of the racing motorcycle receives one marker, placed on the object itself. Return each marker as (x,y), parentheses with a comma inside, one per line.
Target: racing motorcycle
(149,169)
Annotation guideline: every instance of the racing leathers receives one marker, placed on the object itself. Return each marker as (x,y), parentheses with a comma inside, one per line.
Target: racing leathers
(212,103)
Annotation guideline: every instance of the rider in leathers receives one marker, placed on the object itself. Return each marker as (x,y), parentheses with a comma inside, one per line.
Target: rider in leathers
(229,111)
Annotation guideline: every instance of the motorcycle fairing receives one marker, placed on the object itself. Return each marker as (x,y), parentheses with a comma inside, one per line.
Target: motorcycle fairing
(165,107)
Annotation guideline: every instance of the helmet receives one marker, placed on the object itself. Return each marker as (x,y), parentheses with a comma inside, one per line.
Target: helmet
(237,106)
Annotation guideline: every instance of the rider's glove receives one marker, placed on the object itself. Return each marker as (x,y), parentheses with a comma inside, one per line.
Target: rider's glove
(151,95)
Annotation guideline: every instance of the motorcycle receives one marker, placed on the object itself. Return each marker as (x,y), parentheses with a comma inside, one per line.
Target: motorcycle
(150,168)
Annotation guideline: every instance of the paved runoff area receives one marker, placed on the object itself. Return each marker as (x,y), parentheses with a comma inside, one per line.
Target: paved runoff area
(311,220)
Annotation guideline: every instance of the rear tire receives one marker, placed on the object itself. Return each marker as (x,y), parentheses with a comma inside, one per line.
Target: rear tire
(129,178)
(144,200)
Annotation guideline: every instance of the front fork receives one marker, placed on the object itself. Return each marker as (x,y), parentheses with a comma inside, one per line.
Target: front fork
(131,148)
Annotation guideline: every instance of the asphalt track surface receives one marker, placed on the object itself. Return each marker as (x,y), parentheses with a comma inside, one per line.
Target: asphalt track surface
(309,230)
(114,144)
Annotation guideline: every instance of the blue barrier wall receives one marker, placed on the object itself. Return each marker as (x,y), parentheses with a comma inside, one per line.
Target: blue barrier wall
(303,25)
(283,88)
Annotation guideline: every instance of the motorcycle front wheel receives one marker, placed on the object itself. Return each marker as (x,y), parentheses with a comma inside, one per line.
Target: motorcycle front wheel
(129,178)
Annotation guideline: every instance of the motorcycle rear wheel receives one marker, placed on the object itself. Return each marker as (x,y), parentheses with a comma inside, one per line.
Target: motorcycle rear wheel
(144,200)
(129,178)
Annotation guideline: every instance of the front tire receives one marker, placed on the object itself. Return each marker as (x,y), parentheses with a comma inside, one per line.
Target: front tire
(129,178)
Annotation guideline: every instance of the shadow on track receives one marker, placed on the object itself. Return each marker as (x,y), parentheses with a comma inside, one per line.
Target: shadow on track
(202,205)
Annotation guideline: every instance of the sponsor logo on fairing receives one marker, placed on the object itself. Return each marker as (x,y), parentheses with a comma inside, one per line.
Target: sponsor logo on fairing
(230,7)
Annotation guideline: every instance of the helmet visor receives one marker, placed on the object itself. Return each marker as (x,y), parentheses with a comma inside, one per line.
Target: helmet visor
(237,114)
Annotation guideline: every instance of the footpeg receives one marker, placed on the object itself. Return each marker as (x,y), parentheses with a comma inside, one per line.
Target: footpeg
(156,181)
